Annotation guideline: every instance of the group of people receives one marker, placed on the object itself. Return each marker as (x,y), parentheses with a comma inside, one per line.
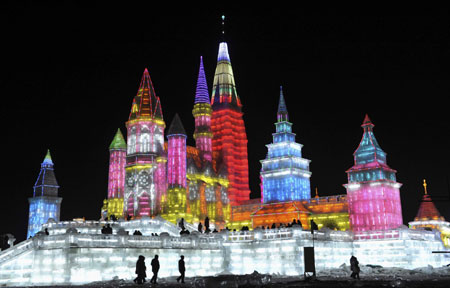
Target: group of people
(107,229)
(141,270)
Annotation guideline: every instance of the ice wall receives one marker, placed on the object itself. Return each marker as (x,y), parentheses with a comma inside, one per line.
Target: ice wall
(76,258)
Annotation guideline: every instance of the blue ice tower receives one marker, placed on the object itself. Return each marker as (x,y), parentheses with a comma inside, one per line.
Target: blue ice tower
(45,203)
(284,173)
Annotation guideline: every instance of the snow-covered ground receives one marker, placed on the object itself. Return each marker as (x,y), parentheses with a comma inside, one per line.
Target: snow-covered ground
(371,276)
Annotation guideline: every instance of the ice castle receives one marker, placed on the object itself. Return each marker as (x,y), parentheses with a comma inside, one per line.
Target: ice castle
(154,183)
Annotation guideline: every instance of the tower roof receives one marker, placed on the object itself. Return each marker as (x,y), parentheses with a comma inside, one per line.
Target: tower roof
(46,184)
(427,209)
(369,150)
(176,127)
(201,94)
(48,158)
(224,87)
(282,109)
(118,141)
(145,102)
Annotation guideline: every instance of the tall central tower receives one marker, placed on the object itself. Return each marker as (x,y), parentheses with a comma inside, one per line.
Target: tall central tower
(227,125)
(145,161)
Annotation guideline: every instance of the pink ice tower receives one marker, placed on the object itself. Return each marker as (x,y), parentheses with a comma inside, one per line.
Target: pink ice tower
(117,159)
(202,114)
(372,190)
(176,150)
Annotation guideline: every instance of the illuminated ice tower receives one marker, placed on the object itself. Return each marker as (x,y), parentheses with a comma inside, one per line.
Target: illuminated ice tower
(230,138)
(45,203)
(145,179)
(116,179)
(284,173)
(175,205)
(202,113)
(372,191)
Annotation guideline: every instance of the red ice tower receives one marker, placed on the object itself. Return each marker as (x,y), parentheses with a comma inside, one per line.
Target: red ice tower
(227,125)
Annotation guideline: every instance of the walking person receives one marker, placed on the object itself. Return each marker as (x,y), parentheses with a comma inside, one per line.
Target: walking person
(354,266)
(155,269)
(181,268)
(140,270)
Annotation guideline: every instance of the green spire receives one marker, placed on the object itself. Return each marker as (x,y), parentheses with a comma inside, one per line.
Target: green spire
(48,158)
(118,141)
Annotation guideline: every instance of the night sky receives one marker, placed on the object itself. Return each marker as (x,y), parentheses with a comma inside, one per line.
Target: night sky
(69,75)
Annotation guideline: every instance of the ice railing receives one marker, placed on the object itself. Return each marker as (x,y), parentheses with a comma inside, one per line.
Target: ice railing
(145,225)
(164,240)
(16,250)
(287,233)
(400,233)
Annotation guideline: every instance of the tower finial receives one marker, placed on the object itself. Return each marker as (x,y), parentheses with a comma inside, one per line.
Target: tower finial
(317,193)
(223,28)
(425,186)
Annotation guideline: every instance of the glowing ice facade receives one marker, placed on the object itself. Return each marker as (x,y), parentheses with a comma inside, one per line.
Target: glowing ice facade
(77,252)
(176,172)
(372,191)
(145,153)
(285,174)
(45,203)
(116,179)
(227,125)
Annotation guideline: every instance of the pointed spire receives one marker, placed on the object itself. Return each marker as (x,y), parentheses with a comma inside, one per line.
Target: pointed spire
(145,99)
(158,110)
(369,150)
(224,88)
(176,127)
(425,186)
(367,122)
(48,158)
(427,209)
(201,94)
(317,193)
(118,142)
(282,114)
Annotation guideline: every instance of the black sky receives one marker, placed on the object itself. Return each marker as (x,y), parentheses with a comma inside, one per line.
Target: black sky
(69,74)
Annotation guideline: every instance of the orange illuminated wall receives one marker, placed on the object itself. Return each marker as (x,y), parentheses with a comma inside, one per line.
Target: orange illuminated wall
(280,213)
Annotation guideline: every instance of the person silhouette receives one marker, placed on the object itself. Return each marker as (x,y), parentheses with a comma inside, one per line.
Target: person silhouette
(140,270)
(155,269)
(200,227)
(207,225)
(181,268)
(354,267)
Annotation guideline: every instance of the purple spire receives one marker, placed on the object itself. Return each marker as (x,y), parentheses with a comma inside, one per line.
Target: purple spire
(201,94)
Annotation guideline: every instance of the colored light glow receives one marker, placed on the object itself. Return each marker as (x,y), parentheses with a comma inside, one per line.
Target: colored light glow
(284,174)
(176,167)
(373,196)
(145,181)
(45,203)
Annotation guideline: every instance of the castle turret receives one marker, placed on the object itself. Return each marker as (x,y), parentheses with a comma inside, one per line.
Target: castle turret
(227,125)
(116,179)
(45,203)
(284,173)
(202,113)
(372,189)
(175,205)
(145,161)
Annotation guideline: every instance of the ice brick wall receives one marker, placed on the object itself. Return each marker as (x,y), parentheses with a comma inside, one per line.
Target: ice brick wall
(75,258)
